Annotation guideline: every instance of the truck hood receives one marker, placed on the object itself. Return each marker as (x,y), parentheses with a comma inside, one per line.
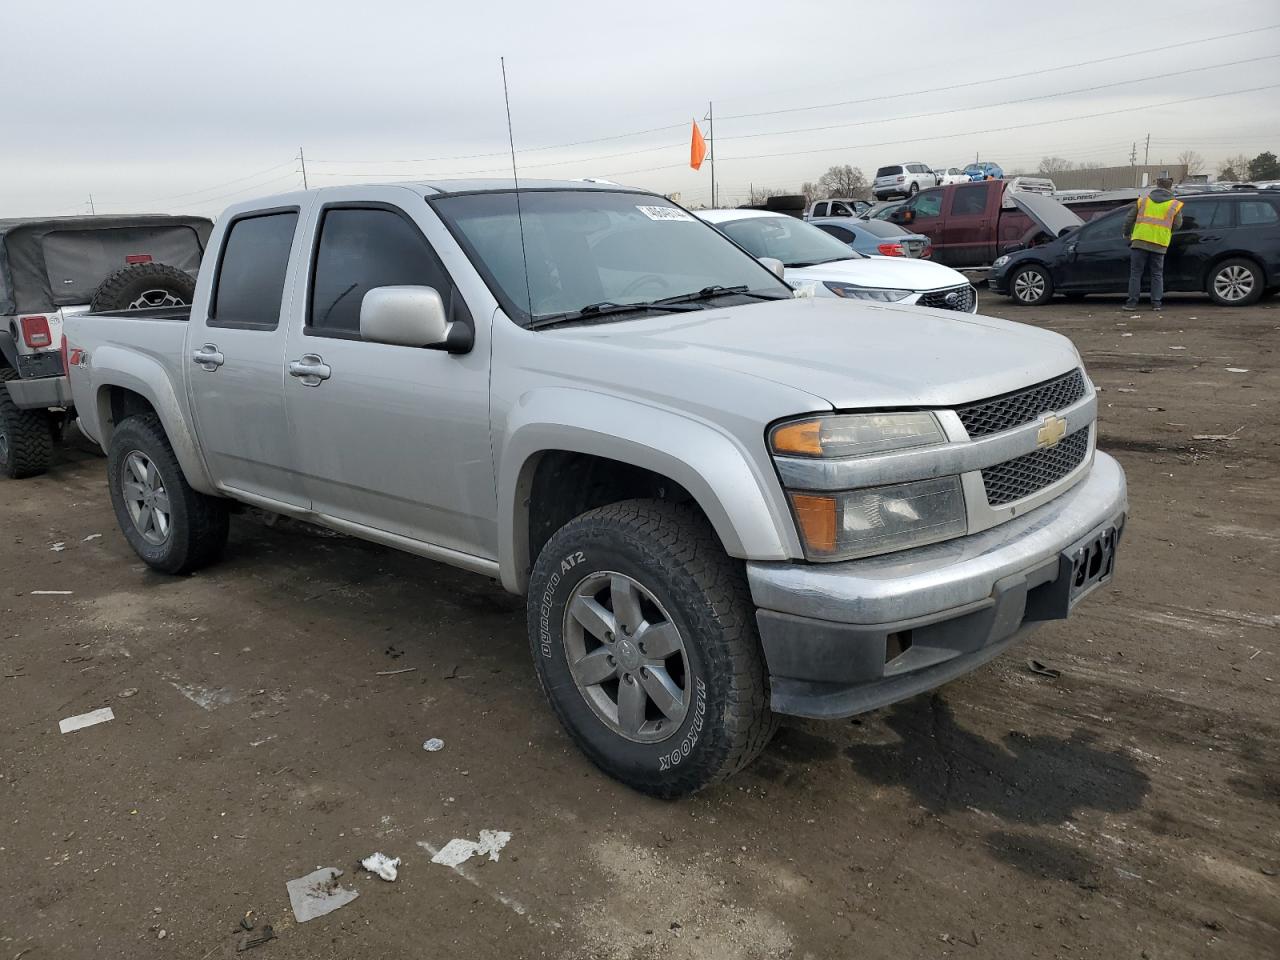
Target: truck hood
(852,354)
(902,273)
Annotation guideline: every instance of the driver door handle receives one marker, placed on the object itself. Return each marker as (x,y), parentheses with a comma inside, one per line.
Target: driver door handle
(310,369)
(208,357)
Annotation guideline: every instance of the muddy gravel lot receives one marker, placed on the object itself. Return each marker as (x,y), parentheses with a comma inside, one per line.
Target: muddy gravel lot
(1128,808)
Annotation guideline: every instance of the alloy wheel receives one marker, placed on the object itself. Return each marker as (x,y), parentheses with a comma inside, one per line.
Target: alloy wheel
(627,657)
(1028,286)
(1233,283)
(146,498)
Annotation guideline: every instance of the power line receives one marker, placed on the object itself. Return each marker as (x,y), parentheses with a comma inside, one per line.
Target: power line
(823,106)
(189,193)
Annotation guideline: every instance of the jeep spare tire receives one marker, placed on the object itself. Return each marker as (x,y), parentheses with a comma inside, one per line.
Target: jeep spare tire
(144,285)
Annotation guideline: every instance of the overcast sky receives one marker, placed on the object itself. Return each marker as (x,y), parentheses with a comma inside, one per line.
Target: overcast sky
(188,106)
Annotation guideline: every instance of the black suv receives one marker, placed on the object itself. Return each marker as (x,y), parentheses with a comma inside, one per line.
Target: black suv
(1228,247)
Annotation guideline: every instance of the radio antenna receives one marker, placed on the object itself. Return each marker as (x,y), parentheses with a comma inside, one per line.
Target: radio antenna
(515,177)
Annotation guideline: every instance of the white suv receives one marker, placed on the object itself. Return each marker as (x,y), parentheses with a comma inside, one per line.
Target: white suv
(903,180)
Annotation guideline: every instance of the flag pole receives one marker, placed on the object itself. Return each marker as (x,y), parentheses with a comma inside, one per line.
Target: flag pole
(711,137)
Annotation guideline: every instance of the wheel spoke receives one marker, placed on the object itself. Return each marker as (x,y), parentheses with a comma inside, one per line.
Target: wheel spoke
(152,480)
(626,604)
(595,667)
(131,490)
(631,703)
(160,521)
(161,501)
(138,467)
(662,690)
(595,619)
(144,519)
(659,640)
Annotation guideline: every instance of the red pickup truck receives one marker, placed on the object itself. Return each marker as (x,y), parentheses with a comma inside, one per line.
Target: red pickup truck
(971,224)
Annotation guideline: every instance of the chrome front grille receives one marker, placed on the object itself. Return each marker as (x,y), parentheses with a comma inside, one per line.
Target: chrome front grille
(1025,475)
(1023,406)
(960,298)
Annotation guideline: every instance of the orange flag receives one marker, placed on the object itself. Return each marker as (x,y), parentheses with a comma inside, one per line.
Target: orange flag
(697,148)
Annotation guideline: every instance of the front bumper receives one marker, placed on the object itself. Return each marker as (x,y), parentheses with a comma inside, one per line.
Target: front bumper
(844,638)
(40,393)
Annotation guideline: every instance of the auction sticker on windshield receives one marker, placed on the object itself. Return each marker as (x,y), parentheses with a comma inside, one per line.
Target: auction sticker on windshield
(664,213)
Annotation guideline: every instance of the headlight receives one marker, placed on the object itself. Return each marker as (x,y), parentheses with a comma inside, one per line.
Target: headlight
(1000,261)
(854,292)
(855,434)
(859,523)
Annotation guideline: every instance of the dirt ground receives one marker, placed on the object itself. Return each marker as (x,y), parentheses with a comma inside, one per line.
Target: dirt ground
(1128,809)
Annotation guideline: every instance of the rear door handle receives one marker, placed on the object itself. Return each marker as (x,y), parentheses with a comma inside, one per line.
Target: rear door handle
(310,369)
(208,357)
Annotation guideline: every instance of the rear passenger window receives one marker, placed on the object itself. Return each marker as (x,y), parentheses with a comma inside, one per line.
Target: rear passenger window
(819,209)
(1257,213)
(969,201)
(250,282)
(840,233)
(361,249)
(1199,214)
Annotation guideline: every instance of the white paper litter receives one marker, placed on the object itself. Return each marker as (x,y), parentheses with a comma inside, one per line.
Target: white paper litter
(318,893)
(1237,370)
(51,593)
(1177,348)
(58,547)
(86,720)
(1126,334)
(92,536)
(458,851)
(432,745)
(382,865)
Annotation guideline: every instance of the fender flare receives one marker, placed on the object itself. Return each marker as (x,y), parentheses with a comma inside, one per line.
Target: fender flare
(147,377)
(743,501)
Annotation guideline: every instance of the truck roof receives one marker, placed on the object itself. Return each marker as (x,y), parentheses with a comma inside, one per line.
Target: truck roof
(440,188)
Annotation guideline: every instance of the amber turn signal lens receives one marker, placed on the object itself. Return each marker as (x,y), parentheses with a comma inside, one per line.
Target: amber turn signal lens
(816,517)
(804,437)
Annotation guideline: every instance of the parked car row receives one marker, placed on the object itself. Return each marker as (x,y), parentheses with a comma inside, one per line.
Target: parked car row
(723,502)
(908,179)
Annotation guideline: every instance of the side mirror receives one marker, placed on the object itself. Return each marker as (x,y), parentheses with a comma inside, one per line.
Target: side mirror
(776,265)
(404,317)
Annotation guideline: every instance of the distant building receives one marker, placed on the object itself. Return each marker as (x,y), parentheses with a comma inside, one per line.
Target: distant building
(1119,178)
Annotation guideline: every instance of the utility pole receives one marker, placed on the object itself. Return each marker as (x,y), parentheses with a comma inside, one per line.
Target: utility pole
(711,135)
(92,211)
(1133,161)
(1146,154)
(303,159)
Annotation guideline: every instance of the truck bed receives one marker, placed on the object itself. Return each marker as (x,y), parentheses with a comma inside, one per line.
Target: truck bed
(182,314)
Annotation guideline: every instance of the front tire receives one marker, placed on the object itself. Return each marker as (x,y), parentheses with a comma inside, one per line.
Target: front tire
(173,528)
(1237,282)
(915,188)
(644,640)
(1031,285)
(26,447)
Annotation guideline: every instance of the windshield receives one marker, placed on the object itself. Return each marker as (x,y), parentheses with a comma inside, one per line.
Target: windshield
(794,242)
(590,248)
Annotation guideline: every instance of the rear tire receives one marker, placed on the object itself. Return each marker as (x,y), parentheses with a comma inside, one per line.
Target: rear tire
(915,188)
(664,570)
(173,528)
(1237,282)
(26,447)
(144,285)
(1031,285)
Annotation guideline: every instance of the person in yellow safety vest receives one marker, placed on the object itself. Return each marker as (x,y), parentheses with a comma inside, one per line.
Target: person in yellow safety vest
(1149,227)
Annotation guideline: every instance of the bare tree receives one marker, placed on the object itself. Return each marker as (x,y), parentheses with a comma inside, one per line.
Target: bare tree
(1052,165)
(1192,161)
(1234,168)
(1091,165)
(812,192)
(759,195)
(845,181)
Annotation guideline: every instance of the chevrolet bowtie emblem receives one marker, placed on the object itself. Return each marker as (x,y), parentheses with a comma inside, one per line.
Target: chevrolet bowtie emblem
(1052,429)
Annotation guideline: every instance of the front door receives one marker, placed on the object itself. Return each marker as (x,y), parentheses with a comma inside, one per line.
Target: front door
(235,361)
(1096,257)
(970,234)
(391,438)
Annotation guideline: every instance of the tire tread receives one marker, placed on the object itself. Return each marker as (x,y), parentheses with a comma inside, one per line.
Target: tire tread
(30,443)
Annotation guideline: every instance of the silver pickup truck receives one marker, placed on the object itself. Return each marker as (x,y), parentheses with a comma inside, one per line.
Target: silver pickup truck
(722,502)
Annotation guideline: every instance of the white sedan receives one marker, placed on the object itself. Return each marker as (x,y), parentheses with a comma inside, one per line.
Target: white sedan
(949,175)
(813,257)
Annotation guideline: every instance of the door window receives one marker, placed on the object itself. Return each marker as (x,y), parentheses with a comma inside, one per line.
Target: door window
(819,209)
(360,249)
(1103,230)
(1257,213)
(249,286)
(840,233)
(969,201)
(1201,214)
(928,205)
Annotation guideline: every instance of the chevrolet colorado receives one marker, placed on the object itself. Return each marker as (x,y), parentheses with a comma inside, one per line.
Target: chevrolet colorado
(722,502)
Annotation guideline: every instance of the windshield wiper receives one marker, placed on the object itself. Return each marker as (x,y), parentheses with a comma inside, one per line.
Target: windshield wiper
(717,290)
(607,307)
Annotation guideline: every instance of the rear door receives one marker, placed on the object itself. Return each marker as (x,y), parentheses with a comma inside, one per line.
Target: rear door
(235,365)
(1207,225)
(970,232)
(393,439)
